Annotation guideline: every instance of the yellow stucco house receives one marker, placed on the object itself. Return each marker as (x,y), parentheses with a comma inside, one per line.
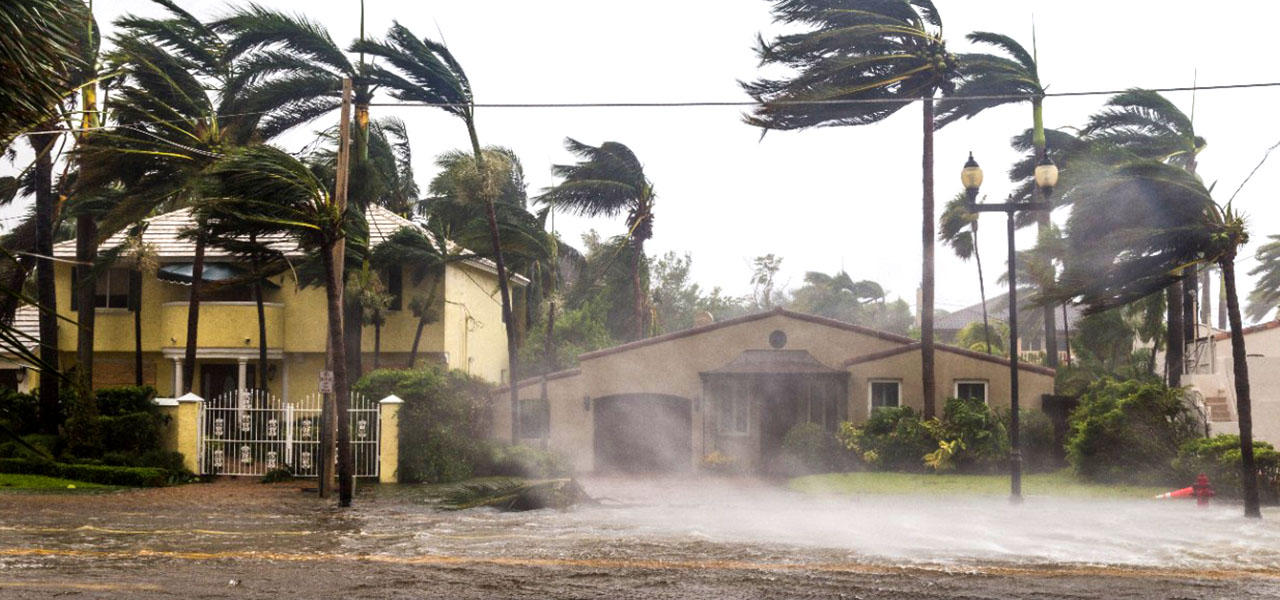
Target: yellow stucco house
(469,334)
(736,387)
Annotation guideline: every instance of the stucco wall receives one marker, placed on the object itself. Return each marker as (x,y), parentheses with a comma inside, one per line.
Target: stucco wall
(1264,389)
(474,335)
(572,425)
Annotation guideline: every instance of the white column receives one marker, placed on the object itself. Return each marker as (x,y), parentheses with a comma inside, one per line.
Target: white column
(178,389)
(284,378)
(242,365)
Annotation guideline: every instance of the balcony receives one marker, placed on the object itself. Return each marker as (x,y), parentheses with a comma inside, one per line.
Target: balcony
(222,324)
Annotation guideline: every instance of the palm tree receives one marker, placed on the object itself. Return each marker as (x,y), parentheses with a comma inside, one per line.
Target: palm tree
(958,228)
(1013,77)
(1265,296)
(1148,125)
(424,255)
(1129,236)
(39,46)
(422,70)
(264,192)
(607,181)
(879,57)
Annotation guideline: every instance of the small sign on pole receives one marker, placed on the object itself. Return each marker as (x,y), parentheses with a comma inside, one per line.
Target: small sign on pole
(326,382)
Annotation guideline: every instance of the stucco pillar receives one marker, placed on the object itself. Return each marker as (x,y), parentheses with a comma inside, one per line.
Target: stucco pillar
(177,377)
(186,430)
(389,439)
(242,375)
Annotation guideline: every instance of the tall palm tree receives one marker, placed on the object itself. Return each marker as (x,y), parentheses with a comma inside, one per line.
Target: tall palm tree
(39,45)
(422,70)
(265,192)
(958,228)
(1127,240)
(1013,77)
(879,56)
(1148,125)
(1265,296)
(607,181)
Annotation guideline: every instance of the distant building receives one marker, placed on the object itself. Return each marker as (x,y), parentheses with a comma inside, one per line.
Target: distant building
(1030,338)
(1210,378)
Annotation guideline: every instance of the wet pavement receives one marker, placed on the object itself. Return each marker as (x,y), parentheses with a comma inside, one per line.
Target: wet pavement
(664,538)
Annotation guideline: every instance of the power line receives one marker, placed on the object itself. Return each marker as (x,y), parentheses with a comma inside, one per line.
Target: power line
(742,103)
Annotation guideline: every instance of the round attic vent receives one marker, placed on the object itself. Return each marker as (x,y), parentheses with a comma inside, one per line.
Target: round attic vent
(777,339)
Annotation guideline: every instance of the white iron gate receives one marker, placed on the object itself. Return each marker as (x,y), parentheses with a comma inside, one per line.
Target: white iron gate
(251,432)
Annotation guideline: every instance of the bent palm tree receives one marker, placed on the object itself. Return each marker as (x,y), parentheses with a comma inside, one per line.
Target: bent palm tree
(1265,296)
(607,181)
(422,70)
(999,80)
(1129,237)
(958,228)
(881,56)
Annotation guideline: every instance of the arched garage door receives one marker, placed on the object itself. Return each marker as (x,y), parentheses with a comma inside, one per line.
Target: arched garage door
(643,433)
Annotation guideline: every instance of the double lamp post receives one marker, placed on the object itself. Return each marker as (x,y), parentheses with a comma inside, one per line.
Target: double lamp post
(1046,177)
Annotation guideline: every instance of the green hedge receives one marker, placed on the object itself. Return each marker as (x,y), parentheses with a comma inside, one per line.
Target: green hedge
(124,476)
(1218,457)
(1129,432)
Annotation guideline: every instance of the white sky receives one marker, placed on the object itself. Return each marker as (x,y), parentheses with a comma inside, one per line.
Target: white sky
(821,199)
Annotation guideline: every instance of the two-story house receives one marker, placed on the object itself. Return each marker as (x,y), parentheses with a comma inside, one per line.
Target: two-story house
(468,334)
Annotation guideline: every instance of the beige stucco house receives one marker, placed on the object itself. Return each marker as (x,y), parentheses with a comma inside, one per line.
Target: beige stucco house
(737,387)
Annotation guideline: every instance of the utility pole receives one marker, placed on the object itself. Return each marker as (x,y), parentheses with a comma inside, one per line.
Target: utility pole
(335,409)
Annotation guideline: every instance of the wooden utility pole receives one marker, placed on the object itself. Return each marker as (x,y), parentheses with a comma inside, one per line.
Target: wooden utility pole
(335,408)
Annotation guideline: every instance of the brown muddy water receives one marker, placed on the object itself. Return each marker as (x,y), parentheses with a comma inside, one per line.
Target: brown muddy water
(655,538)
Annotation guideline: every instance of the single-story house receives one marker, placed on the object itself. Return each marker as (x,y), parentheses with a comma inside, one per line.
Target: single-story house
(737,387)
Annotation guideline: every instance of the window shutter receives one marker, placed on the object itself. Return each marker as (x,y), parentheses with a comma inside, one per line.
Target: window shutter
(135,290)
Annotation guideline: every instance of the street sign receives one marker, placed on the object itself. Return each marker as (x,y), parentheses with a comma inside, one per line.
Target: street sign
(326,382)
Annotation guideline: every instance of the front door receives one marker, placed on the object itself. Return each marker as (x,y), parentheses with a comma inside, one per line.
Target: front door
(218,379)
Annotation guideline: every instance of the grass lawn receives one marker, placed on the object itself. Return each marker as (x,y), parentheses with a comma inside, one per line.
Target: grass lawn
(10,482)
(1058,484)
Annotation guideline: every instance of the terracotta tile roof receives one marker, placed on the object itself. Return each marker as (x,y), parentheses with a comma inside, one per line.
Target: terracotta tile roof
(875,356)
(1226,335)
(747,319)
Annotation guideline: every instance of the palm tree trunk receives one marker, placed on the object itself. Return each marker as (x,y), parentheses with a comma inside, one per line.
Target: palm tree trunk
(193,316)
(1190,293)
(339,403)
(926,275)
(86,251)
(548,347)
(508,318)
(262,334)
(982,290)
(377,345)
(1042,221)
(46,291)
(638,289)
(1244,405)
(1066,338)
(417,337)
(1174,346)
(1222,304)
(1206,311)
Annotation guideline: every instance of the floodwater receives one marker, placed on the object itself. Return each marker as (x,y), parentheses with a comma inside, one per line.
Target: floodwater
(656,538)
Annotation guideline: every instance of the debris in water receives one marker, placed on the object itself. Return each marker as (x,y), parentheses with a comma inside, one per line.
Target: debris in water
(516,494)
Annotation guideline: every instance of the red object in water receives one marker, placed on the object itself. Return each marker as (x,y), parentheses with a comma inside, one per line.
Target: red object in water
(1186,492)
(1203,490)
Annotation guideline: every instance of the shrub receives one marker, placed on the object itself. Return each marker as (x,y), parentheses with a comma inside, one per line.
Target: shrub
(808,448)
(438,421)
(1218,457)
(1041,451)
(50,445)
(893,439)
(124,400)
(19,412)
(983,443)
(500,460)
(1128,431)
(131,433)
(105,475)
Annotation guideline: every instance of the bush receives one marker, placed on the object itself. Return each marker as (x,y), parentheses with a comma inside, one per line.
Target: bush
(499,460)
(1218,457)
(124,400)
(51,445)
(131,433)
(893,439)
(807,448)
(1041,451)
(975,438)
(105,475)
(1129,431)
(19,412)
(440,421)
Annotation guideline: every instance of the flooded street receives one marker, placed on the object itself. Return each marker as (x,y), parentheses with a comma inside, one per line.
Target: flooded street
(666,538)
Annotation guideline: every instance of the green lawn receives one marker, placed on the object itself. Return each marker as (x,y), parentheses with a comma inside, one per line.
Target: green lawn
(10,482)
(1058,484)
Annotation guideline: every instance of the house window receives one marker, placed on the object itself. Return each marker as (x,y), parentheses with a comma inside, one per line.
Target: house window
(885,394)
(535,419)
(112,289)
(975,390)
(395,288)
(735,410)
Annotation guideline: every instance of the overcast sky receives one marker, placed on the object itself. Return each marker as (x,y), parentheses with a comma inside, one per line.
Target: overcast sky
(821,199)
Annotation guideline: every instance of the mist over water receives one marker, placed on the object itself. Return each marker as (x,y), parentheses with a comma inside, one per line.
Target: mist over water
(694,519)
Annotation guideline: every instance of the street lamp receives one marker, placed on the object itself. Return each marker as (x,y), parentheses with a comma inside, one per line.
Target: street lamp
(1046,177)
